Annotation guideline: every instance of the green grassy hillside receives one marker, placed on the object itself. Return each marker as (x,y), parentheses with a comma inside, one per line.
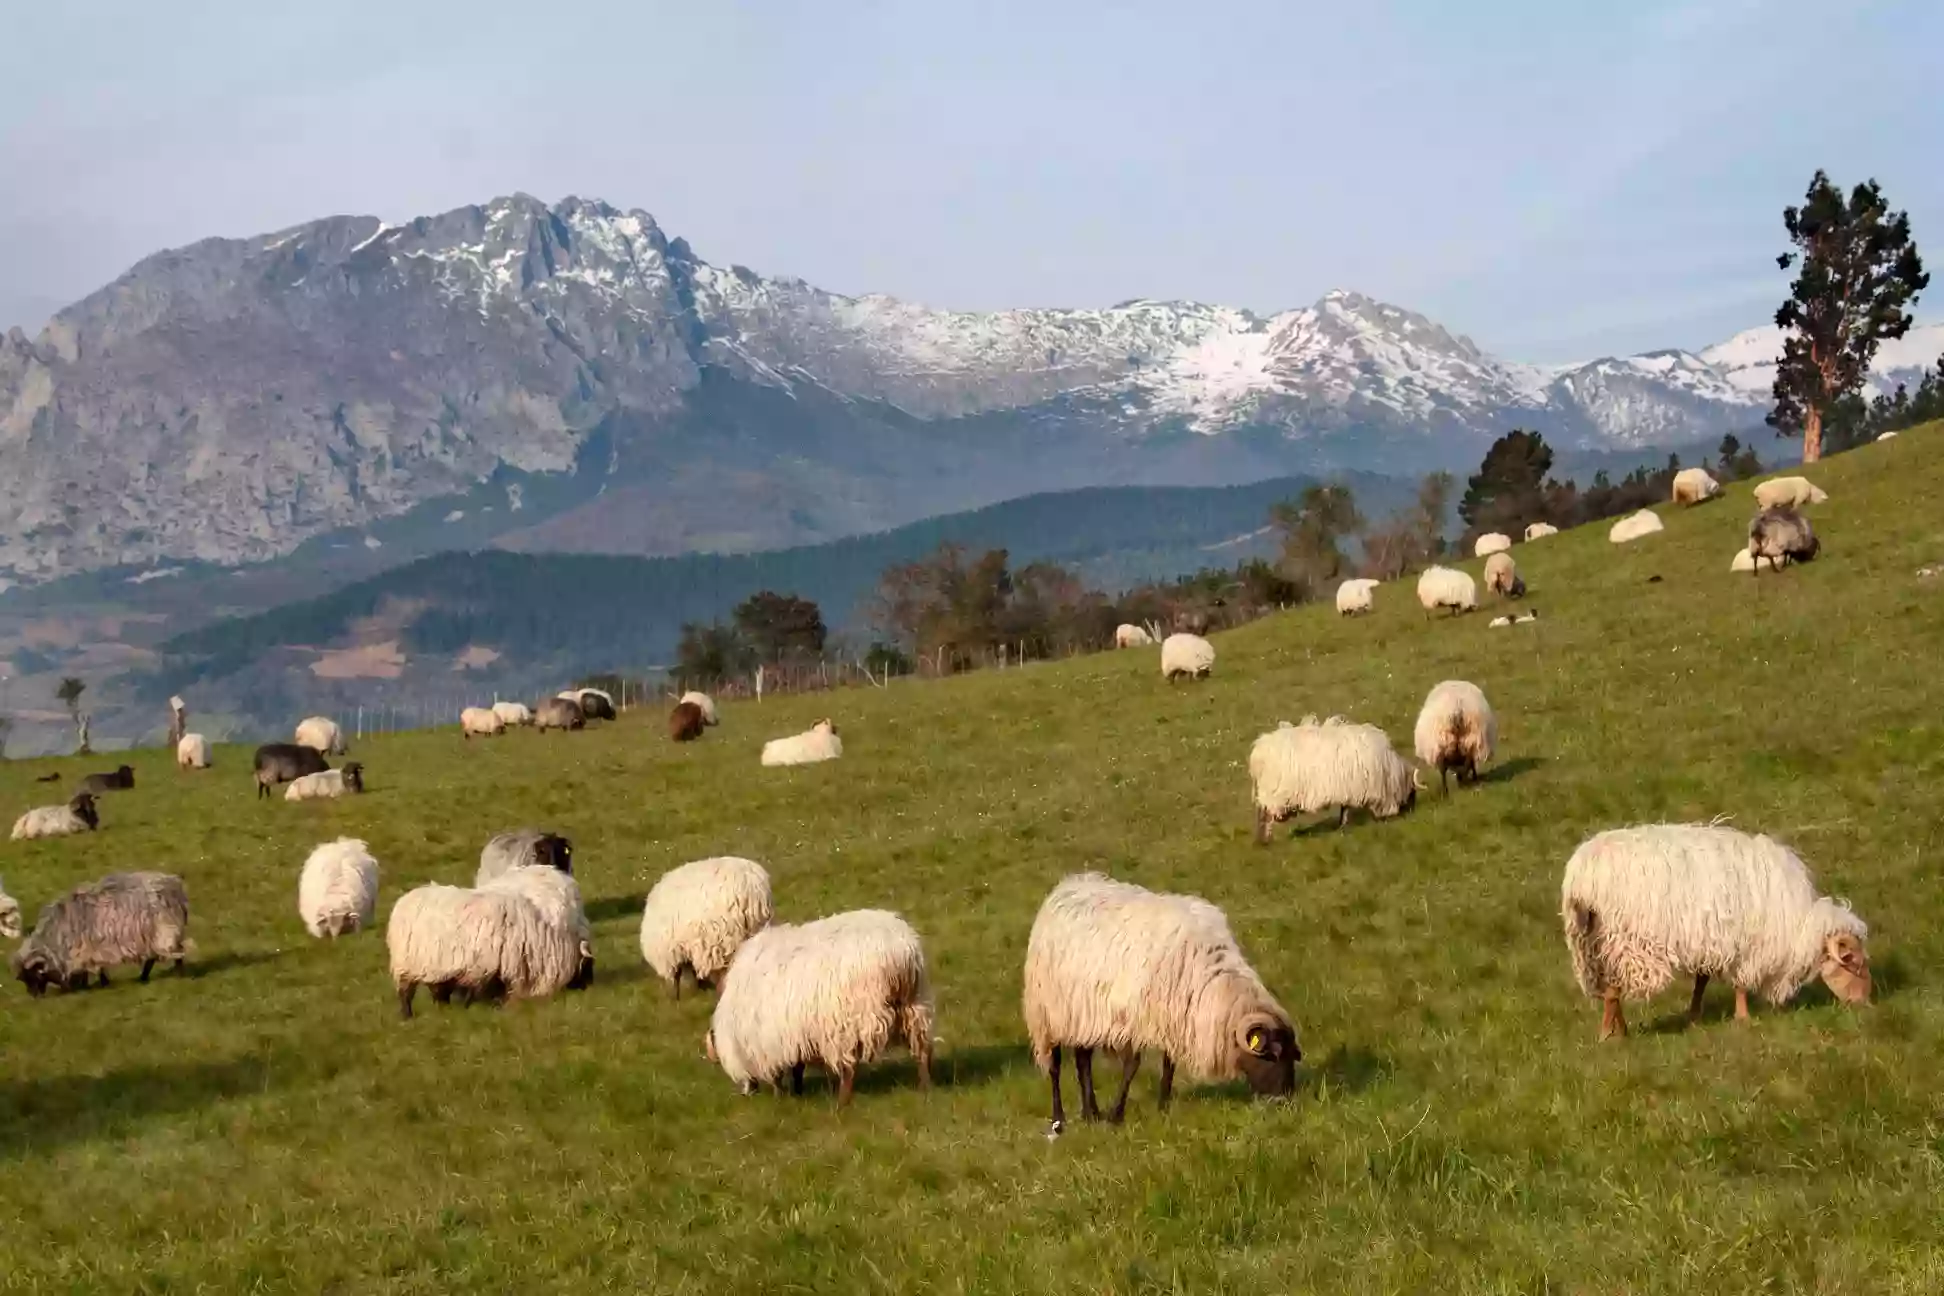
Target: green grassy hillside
(267,1123)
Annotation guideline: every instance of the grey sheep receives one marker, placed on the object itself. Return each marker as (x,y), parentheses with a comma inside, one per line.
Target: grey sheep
(124,918)
(1779,535)
(521,848)
(559,713)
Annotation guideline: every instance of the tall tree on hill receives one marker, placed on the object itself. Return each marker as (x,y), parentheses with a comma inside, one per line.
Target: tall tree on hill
(1735,460)
(1314,527)
(1509,489)
(946,600)
(1413,536)
(1860,270)
(712,651)
(780,626)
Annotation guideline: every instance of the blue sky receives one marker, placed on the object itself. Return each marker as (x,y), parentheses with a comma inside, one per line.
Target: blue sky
(1556,180)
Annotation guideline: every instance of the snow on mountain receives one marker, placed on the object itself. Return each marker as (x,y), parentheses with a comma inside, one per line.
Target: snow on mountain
(1748,359)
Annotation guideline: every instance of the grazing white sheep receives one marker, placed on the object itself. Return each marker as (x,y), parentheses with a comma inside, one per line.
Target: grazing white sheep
(512,714)
(817,743)
(492,942)
(1304,768)
(835,992)
(1693,485)
(1355,596)
(1447,587)
(337,893)
(1502,576)
(1127,635)
(1490,543)
(10,927)
(321,735)
(192,752)
(1186,654)
(1644,905)
(1114,966)
(1744,561)
(1788,492)
(77,816)
(1540,530)
(124,918)
(484,721)
(1455,731)
(328,785)
(698,916)
(557,896)
(702,700)
(1634,526)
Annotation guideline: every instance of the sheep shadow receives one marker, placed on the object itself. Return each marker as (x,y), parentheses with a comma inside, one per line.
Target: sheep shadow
(952,1068)
(1346,1069)
(216,965)
(1506,771)
(1888,977)
(42,1115)
(609,908)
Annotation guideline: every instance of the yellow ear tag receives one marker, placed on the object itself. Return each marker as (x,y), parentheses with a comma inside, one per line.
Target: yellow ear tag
(1255,1041)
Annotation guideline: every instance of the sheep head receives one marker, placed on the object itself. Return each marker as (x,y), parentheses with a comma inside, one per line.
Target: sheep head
(555,851)
(83,806)
(353,776)
(1267,1053)
(1846,967)
(38,969)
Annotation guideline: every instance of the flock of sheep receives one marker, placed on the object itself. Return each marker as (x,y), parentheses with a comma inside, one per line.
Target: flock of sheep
(1109,965)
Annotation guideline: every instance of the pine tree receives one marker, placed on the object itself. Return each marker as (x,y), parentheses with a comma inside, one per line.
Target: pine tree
(1508,490)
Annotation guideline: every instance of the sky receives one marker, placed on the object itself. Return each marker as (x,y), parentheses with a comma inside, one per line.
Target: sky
(1556,181)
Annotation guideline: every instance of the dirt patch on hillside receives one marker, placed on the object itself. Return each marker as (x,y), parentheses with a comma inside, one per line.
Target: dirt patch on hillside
(476,657)
(372,661)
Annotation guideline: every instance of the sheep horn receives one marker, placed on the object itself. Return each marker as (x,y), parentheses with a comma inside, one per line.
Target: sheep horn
(1417,780)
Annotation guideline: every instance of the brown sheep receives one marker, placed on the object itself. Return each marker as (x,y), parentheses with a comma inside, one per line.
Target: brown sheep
(685,722)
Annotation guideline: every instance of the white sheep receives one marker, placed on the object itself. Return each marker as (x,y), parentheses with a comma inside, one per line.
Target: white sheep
(490,942)
(1643,905)
(1499,622)
(817,743)
(1186,654)
(1307,767)
(698,916)
(703,701)
(512,714)
(1540,530)
(1744,561)
(557,896)
(1693,485)
(1447,587)
(1886,436)
(1634,526)
(192,752)
(1502,576)
(1111,965)
(1788,492)
(1490,543)
(835,992)
(1355,596)
(1455,731)
(10,925)
(484,721)
(77,816)
(337,893)
(1127,635)
(321,735)
(327,785)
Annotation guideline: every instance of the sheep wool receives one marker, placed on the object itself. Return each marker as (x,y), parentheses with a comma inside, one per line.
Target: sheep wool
(1356,596)
(702,700)
(1782,535)
(1490,543)
(321,735)
(512,714)
(484,721)
(337,893)
(327,785)
(1186,654)
(10,927)
(1131,636)
(192,752)
(1447,587)
(1788,492)
(817,743)
(698,916)
(1540,530)
(1692,485)
(488,942)
(1308,767)
(1502,576)
(1455,731)
(1643,905)
(836,992)
(57,820)
(123,918)
(554,893)
(1634,526)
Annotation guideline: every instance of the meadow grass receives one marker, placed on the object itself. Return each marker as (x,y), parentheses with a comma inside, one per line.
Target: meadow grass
(266,1123)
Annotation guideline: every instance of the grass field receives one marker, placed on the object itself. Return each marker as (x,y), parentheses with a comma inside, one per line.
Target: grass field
(266,1123)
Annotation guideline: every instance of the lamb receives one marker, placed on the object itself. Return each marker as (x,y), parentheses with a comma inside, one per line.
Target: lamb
(1540,530)
(1301,769)
(1693,485)
(484,721)
(1116,966)
(493,942)
(1186,654)
(1788,492)
(192,752)
(686,722)
(9,915)
(1446,587)
(558,713)
(327,785)
(337,893)
(121,778)
(704,701)
(835,992)
(276,763)
(1643,905)
(523,848)
(1744,561)
(594,704)
(322,735)
(699,915)
(77,816)
(1781,535)
(1502,576)
(123,918)
(817,743)
(512,714)
(1455,731)
(1634,526)
(1490,543)
(1127,635)
(1356,596)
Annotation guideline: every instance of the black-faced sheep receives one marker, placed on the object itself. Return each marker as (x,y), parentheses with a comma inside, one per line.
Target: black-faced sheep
(523,848)
(327,785)
(1781,535)
(282,762)
(594,704)
(123,918)
(77,816)
(119,779)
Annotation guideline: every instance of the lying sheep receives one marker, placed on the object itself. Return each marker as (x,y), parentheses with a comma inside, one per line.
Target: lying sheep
(1128,635)
(328,785)
(1744,561)
(594,704)
(321,735)
(1693,485)
(123,918)
(1116,966)
(512,714)
(77,816)
(337,893)
(1781,535)
(699,915)
(192,752)
(276,763)
(817,743)
(492,942)
(1886,436)
(483,721)
(1502,576)
(10,927)
(1490,543)
(558,713)
(1634,526)
(120,779)
(835,992)
(704,701)
(523,848)
(1356,596)
(1301,769)
(1455,731)
(1447,587)
(1643,905)
(1788,492)
(1186,654)
(686,722)
(1540,530)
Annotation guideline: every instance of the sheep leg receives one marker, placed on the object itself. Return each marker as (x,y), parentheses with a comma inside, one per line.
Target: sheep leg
(1444,779)
(148,966)
(405,993)
(1059,1113)
(1262,826)
(1167,1079)
(675,984)
(846,1081)
(1741,1004)
(1694,1004)
(1083,1070)
(1612,1021)
(104,976)
(796,1081)
(1343,816)
(1130,1063)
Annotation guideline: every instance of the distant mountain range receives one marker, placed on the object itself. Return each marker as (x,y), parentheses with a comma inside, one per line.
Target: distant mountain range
(569,378)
